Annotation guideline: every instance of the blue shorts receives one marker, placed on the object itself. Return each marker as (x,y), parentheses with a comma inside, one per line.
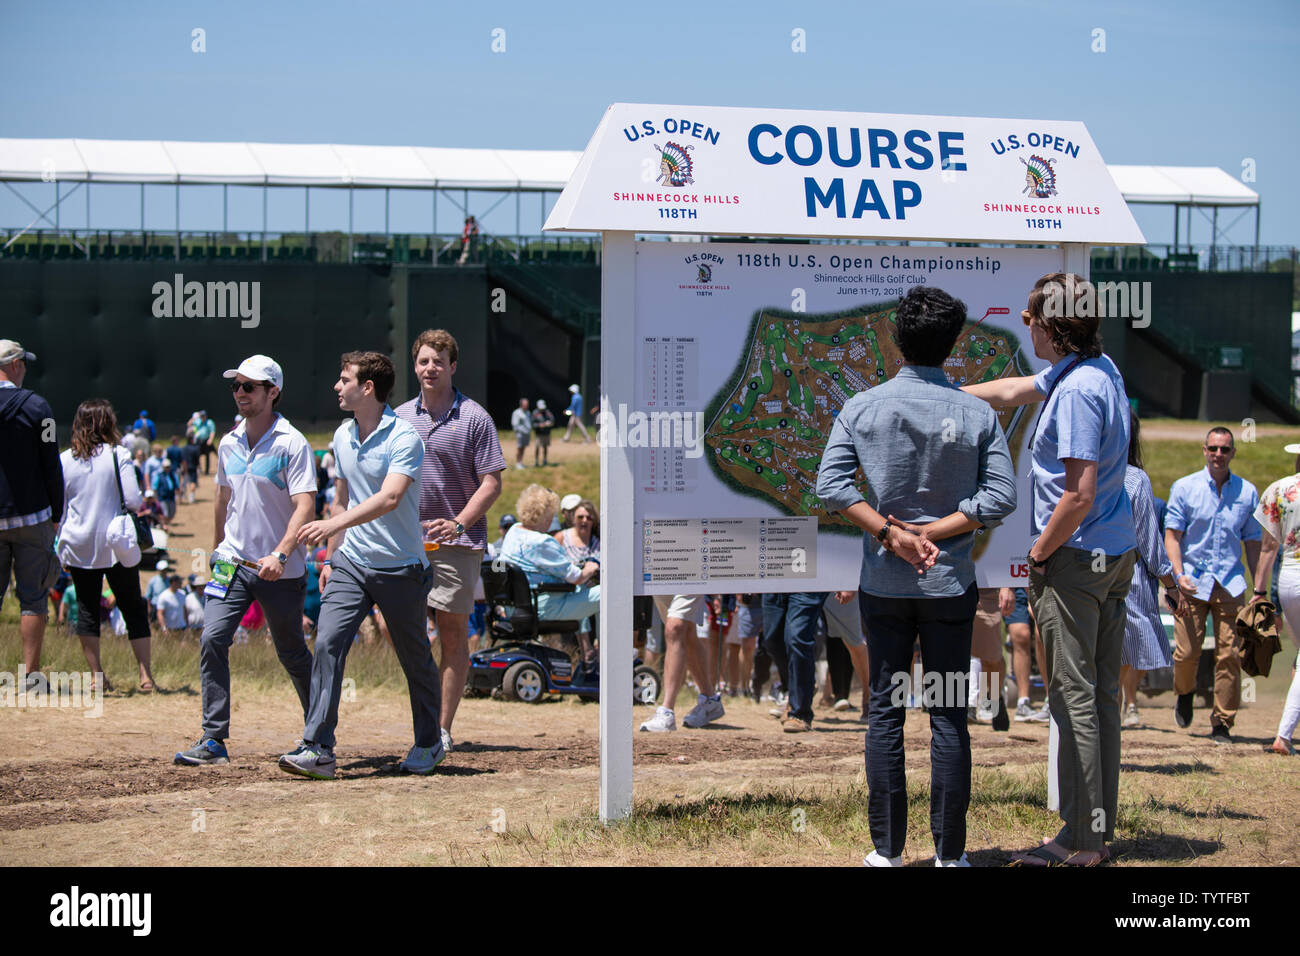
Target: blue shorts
(1020,613)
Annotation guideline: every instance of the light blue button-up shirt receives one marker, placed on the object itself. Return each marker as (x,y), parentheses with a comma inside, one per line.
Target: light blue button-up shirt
(1213,525)
(1086,418)
(396,539)
(927,449)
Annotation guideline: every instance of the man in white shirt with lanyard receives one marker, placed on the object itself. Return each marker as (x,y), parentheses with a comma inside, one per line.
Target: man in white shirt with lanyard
(266,491)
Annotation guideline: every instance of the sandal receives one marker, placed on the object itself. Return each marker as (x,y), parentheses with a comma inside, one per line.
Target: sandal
(1102,859)
(146,687)
(1038,857)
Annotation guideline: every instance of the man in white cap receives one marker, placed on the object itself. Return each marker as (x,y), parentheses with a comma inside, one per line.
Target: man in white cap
(574,412)
(31,494)
(266,491)
(543,422)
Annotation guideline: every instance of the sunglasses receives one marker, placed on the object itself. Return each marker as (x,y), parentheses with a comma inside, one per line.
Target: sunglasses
(246,387)
(1219,449)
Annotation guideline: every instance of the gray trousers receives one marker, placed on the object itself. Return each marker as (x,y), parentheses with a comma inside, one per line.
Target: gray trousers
(282,602)
(347,599)
(1078,602)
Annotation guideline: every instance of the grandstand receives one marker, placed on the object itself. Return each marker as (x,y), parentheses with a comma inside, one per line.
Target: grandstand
(1218,344)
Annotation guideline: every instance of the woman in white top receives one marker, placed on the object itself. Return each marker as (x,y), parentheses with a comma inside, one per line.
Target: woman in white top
(1279,515)
(582,538)
(91,468)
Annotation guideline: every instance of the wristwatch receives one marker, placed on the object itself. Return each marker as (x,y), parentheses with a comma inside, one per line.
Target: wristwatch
(460,528)
(1034,564)
(883,534)
(280,556)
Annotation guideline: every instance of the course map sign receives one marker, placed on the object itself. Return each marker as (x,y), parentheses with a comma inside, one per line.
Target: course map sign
(747,353)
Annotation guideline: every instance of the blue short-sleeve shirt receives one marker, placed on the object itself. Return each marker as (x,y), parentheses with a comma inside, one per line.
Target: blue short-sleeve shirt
(1085,417)
(396,539)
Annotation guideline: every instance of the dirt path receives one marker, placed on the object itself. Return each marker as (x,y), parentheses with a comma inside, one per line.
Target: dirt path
(105,791)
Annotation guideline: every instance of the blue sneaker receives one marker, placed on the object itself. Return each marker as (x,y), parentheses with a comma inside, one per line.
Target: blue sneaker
(309,760)
(203,754)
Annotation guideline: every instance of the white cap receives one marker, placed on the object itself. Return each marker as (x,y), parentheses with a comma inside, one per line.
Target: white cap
(260,368)
(541,403)
(570,501)
(160,566)
(1292,449)
(574,389)
(11,351)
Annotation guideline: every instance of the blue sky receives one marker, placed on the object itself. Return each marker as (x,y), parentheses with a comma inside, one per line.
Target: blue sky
(1188,83)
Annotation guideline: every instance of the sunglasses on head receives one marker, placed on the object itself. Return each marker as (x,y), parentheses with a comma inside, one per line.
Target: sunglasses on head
(246,387)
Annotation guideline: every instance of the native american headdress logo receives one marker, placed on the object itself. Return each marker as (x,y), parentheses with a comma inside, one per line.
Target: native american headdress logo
(675,166)
(706,273)
(1040,177)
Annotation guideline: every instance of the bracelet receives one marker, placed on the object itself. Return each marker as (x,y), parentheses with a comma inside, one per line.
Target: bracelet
(883,534)
(1261,594)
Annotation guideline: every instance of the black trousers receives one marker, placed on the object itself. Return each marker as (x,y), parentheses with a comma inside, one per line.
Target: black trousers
(125,585)
(943,626)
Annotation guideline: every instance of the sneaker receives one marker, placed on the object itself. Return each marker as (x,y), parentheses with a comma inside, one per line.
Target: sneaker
(1043,715)
(780,713)
(984,712)
(663,721)
(1025,711)
(705,711)
(1183,710)
(309,760)
(1131,718)
(36,684)
(446,742)
(205,753)
(794,725)
(960,861)
(422,760)
(519,466)
(1219,734)
(875,859)
(843,704)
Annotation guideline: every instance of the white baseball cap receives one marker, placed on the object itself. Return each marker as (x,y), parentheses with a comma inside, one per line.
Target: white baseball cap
(160,566)
(1292,449)
(260,368)
(11,351)
(570,501)
(573,388)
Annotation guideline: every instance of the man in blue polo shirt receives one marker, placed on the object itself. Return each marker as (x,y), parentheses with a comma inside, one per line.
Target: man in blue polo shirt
(1211,515)
(266,491)
(375,557)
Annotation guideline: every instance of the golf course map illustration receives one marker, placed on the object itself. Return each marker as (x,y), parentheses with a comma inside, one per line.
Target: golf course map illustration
(768,425)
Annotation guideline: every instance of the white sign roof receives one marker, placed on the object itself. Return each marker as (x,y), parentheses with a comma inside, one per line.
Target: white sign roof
(767,172)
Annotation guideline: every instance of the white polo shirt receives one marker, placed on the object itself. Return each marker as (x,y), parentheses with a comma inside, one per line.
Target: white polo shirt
(261,481)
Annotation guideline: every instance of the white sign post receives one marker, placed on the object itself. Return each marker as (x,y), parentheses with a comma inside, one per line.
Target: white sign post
(760,338)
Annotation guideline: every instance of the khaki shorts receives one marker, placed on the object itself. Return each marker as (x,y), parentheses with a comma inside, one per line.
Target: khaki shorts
(986,636)
(455,573)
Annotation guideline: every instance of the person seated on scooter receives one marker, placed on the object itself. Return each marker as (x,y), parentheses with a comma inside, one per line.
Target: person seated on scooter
(544,561)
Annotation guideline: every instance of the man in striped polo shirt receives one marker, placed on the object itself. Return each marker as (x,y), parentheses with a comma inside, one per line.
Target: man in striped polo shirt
(459,480)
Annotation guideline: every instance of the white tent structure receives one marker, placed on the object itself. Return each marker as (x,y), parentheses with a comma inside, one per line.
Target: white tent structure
(517,171)
(329,166)
(1187,187)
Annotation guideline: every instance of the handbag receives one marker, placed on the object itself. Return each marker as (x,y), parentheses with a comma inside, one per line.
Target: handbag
(143,534)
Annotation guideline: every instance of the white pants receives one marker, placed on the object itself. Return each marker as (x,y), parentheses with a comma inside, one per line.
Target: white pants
(1288,593)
